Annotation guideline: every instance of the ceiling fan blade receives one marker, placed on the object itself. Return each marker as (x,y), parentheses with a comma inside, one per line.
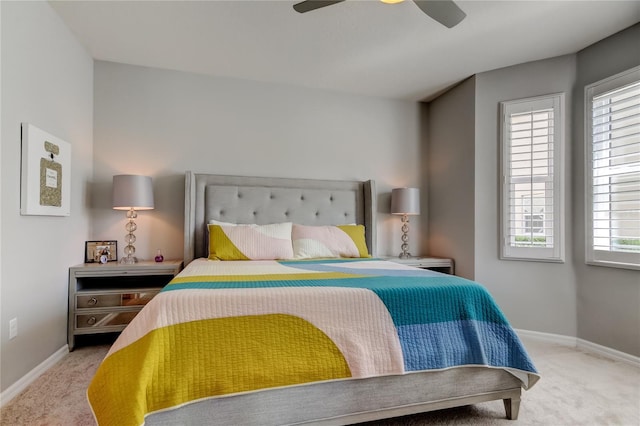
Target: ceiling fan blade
(309,5)
(444,11)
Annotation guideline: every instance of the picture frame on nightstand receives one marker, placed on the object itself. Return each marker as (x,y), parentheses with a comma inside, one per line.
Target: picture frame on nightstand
(100,251)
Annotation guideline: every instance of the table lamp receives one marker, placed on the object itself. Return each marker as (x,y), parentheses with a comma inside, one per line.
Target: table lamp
(131,193)
(405,202)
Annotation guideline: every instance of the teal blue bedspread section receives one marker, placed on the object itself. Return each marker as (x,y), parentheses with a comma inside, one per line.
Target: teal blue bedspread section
(442,321)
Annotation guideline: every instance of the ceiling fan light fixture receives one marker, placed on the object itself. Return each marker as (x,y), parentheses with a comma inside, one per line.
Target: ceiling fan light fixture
(445,12)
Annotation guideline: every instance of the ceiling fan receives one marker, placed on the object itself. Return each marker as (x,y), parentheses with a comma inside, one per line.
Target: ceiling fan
(444,11)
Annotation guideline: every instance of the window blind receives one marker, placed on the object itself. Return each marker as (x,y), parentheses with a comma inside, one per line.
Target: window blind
(532,178)
(615,166)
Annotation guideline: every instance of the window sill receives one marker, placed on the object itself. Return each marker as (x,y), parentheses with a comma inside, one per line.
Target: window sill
(610,264)
(531,259)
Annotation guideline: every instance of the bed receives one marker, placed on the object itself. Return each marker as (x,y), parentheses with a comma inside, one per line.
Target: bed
(329,336)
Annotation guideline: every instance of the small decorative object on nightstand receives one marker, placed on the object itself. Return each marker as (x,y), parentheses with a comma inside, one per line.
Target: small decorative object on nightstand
(405,202)
(439,264)
(104,298)
(159,257)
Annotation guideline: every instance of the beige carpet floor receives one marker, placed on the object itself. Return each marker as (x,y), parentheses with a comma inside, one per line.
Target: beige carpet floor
(577,388)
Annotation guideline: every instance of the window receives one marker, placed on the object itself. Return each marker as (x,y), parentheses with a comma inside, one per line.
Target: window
(533,213)
(532,148)
(612,137)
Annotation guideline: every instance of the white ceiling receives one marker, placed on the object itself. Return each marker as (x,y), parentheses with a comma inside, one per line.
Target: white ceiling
(358,46)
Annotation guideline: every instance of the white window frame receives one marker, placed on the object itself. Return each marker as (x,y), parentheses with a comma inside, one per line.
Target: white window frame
(555,204)
(615,259)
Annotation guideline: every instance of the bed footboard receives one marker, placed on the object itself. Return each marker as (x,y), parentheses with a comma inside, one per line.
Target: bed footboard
(337,403)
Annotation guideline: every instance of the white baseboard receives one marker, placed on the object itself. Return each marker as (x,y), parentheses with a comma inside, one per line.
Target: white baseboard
(548,337)
(13,390)
(608,352)
(582,344)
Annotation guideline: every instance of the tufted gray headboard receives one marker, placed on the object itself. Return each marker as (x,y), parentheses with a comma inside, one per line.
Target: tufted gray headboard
(261,200)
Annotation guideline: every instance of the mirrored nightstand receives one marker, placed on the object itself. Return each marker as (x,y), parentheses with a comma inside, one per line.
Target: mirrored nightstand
(439,264)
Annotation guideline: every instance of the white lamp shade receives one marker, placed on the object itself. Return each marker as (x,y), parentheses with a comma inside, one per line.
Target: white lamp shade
(405,201)
(132,192)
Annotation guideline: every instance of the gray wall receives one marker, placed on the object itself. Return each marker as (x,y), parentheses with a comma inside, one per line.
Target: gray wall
(450,176)
(47,80)
(608,298)
(594,303)
(162,123)
(534,295)
(463,187)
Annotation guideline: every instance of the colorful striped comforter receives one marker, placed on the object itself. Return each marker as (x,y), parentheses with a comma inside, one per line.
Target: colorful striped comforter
(225,327)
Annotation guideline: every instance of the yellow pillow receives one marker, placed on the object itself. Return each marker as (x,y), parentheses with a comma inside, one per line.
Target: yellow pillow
(250,242)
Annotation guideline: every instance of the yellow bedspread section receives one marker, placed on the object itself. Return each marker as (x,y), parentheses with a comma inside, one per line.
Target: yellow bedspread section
(264,348)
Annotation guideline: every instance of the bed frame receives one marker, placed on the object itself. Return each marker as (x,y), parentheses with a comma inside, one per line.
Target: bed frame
(316,202)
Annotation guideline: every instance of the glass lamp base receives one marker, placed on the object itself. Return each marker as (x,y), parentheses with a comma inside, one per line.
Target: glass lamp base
(129,260)
(405,239)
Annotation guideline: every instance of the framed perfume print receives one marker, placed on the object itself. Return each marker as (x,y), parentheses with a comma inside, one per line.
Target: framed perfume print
(46,176)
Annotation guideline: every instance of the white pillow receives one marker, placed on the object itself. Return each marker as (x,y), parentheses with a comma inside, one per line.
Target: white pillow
(311,242)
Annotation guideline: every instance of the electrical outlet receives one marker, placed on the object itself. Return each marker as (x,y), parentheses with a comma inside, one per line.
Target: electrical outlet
(13,328)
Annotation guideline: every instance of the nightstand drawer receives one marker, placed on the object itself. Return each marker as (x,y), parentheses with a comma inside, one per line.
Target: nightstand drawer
(104,298)
(431,263)
(438,264)
(105,319)
(101,300)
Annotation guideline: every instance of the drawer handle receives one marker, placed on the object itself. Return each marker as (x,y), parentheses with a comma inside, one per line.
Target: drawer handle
(92,301)
(91,320)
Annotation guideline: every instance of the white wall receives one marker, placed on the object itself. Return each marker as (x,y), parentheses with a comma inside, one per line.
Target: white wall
(46,80)
(163,123)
